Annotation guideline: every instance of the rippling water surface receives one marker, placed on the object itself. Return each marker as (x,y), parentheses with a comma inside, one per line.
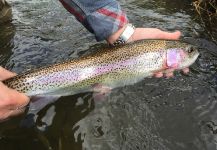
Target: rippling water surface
(162,114)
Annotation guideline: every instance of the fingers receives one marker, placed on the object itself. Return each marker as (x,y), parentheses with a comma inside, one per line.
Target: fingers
(11,102)
(159,34)
(11,99)
(154,33)
(13,94)
(158,75)
(185,70)
(5,74)
(169,73)
(16,99)
(5,114)
(19,99)
(170,36)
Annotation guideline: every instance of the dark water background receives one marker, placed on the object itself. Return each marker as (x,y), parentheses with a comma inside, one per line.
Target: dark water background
(156,114)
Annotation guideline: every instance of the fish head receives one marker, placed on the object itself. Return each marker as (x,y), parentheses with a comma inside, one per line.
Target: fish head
(183,57)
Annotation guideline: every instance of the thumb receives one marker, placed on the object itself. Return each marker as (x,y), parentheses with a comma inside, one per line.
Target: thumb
(12,98)
(170,36)
(5,74)
(19,100)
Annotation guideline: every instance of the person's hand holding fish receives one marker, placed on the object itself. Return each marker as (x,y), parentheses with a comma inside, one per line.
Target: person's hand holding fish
(11,101)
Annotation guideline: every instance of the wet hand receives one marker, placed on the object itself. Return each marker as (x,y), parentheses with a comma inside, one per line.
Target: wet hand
(12,102)
(153,33)
(169,73)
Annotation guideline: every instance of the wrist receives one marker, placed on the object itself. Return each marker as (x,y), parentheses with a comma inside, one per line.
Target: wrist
(122,36)
(112,38)
(133,37)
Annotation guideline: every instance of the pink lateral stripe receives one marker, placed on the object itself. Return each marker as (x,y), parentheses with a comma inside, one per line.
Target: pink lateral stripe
(72,11)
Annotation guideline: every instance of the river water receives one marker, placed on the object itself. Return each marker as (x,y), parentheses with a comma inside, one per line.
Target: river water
(179,113)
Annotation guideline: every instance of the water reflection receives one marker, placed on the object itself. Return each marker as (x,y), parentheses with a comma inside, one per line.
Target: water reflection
(7,32)
(7,42)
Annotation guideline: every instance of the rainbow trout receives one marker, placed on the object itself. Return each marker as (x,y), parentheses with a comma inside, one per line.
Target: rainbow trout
(110,67)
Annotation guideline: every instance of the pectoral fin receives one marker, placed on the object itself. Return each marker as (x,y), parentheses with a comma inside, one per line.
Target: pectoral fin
(39,102)
(100,91)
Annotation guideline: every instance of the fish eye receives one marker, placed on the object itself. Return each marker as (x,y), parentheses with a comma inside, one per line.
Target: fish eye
(190,49)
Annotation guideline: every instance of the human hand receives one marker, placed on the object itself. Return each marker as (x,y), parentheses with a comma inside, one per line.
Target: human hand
(146,33)
(12,102)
